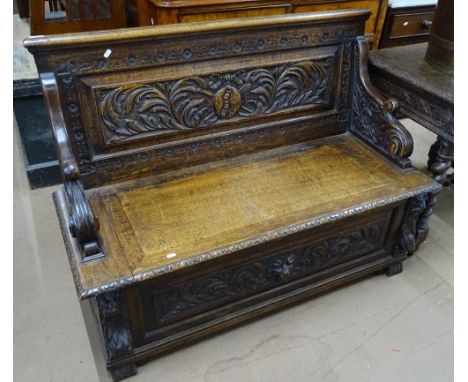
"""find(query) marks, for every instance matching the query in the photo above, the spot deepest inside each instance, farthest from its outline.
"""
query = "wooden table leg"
(440, 160)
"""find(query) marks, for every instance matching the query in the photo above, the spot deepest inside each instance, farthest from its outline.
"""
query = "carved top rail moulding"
(37, 43)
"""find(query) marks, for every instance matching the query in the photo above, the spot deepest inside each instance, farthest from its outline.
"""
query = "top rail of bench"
(37, 43)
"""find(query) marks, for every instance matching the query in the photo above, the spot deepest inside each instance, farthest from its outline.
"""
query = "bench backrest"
(145, 100)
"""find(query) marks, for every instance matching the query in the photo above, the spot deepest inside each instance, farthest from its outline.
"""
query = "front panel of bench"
(198, 296)
(152, 104)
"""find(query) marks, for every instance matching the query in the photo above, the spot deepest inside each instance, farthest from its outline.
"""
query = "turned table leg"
(440, 159)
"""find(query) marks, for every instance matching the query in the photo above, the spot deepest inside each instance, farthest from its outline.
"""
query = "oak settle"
(217, 171)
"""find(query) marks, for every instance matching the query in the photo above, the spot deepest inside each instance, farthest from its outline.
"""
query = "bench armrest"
(84, 224)
(70, 169)
(372, 117)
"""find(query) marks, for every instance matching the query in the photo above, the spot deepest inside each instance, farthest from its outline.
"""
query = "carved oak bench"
(216, 171)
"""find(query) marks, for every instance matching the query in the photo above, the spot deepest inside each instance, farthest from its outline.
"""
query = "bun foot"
(123, 372)
(394, 269)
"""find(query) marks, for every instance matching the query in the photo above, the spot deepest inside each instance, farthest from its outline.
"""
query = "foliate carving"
(372, 117)
(415, 227)
(217, 253)
(204, 101)
(83, 224)
(114, 324)
(266, 273)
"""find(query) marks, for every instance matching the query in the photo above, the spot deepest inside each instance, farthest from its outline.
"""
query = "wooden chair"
(214, 172)
(67, 16)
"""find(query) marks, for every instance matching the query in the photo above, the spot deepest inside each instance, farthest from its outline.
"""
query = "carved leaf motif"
(266, 273)
(189, 103)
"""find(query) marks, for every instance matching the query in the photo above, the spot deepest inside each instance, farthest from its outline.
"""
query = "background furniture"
(32, 119)
(217, 171)
(156, 12)
(67, 16)
(22, 7)
(407, 25)
(420, 77)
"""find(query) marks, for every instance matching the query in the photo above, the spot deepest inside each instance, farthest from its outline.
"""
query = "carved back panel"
(146, 100)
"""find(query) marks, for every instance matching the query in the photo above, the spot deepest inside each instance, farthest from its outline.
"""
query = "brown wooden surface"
(407, 62)
(154, 12)
(407, 25)
(23, 8)
(440, 52)
(77, 16)
(230, 168)
(425, 93)
(232, 203)
(91, 87)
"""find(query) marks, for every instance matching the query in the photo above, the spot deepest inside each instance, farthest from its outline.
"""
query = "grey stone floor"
(378, 329)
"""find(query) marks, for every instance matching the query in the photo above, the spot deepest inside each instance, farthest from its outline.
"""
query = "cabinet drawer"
(197, 15)
(411, 24)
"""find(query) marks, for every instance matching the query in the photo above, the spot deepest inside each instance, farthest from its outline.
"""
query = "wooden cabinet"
(156, 12)
(409, 25)
(69, 16)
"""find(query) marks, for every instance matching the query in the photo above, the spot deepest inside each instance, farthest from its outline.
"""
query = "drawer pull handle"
(427, 24)
(405, 23)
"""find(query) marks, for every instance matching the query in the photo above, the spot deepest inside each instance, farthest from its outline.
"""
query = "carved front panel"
(179, 300)
(203, 101)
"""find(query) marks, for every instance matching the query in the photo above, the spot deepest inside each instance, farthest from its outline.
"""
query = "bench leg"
(123, 372)
(394, 269)
(440, 159)
(116, 332)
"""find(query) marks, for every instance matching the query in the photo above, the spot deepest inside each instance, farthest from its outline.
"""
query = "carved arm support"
(372, 117)
(84, 224)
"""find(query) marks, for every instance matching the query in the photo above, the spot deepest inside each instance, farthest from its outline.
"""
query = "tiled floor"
(379, 329)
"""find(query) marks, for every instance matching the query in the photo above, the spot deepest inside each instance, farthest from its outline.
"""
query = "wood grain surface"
(204, 209)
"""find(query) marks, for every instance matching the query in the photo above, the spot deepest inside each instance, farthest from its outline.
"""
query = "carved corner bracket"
(372, 118)
(415, 226)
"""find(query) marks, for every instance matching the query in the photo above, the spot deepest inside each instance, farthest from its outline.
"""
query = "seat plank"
(211, 210)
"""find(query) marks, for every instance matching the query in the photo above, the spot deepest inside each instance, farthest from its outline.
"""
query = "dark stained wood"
(407, 25)
(158, 12)
(23, 8)
(440, 52)
(76, 16)
(425, 94)
(215, 172)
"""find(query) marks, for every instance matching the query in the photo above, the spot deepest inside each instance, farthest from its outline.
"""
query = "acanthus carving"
(415, 227)
(372, 117)
(113, 316)
(205, 101)
(268, 272)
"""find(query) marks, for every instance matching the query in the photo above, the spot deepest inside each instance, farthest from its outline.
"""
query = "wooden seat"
(218, 171)
(159, 222)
